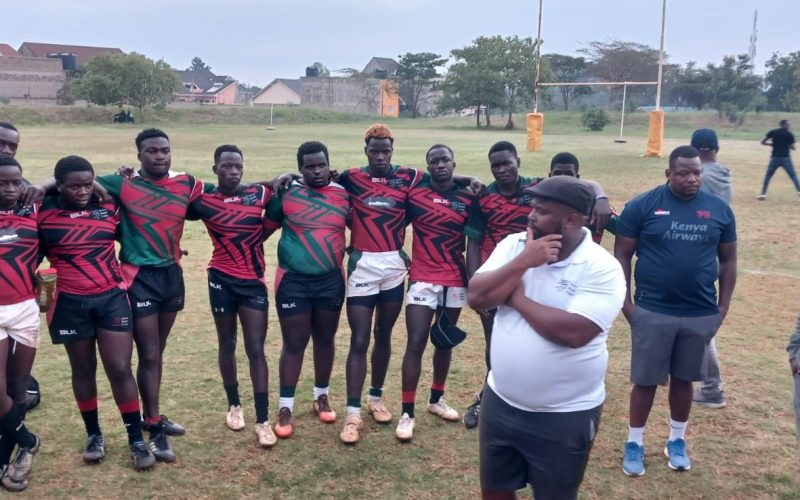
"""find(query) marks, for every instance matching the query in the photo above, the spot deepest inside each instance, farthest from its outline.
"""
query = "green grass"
(747, 450)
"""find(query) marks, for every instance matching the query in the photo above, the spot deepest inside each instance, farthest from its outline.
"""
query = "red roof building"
(7, 51)
(82, 53)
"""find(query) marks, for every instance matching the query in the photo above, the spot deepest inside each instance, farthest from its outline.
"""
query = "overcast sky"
(257, 41)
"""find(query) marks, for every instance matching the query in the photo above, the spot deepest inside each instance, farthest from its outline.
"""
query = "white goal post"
(602, 84)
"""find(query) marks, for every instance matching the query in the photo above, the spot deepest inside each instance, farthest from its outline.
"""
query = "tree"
(133, 79)
(492, 72)
(322, 70)
(198, 65)
(620, 61)
(734, 89)
(689, 85)
(516, 68)
(416, 74)
(101, 81)
(568, 69)
(783, 82)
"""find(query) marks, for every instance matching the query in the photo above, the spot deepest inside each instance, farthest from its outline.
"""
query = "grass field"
(747, 450)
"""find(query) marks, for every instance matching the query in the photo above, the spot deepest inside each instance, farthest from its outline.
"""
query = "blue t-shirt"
(677, 246)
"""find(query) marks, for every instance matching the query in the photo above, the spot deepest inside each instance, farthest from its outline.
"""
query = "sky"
(257, 41)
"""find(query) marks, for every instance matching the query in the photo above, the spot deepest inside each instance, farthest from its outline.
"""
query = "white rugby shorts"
(20, 322)
(428, 294)
(370, 273)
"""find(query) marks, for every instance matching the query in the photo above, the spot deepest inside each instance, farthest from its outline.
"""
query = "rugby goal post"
(624, 86)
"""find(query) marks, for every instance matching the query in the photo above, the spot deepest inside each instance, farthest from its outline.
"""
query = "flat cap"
(569, 191)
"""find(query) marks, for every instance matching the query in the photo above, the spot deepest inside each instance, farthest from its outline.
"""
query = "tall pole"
(622, 116)
(661, 54)
(538, 61)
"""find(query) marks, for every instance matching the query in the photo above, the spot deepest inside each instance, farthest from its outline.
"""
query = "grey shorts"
(549, 451)
(664, 345)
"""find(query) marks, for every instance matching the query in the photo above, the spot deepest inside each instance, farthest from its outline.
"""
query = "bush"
(594, 119)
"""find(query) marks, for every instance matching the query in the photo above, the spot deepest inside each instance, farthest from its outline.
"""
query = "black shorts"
(300, 293)
(157, 289)
(77, 317)
(549, 451)
(227, 293)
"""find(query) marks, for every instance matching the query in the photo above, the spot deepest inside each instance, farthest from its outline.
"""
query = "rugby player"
(233, 216)
(153, 205)
(77, 236)
(19, 320)
(309, 283)
(441, 213)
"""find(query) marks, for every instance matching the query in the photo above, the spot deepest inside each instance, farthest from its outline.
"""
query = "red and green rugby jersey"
(440, 221)
(312, 222)
(379, 207)
(80, 245)
(153, 213)
(504, 215)
(235, 225)
(19, 252)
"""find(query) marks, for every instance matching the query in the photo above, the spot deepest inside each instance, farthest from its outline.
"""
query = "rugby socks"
(286, 397)
(6, 448)
(89, 413)
(132, 419)
(677, 429)
(7, 441)
(261, 400)
(232, 391)
(437, 391)
(636, 435)
(408, 402)
(13, 425)
(155, 425)
(353, 406)
(320, 390)
(375, 394)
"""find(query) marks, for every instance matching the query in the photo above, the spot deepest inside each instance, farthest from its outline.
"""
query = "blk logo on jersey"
(215, 286)
(146, 303)
(661, 211)
(288, 305)
(67, 332)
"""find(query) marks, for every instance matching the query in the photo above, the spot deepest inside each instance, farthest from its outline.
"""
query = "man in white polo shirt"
(557, 294)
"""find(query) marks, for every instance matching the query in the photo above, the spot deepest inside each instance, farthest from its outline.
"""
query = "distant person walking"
(781, 141)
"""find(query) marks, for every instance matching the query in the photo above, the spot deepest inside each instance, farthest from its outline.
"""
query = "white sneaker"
(405, 428)
(444, 410)
(235, 418)
(761, 197)
(266, 438)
